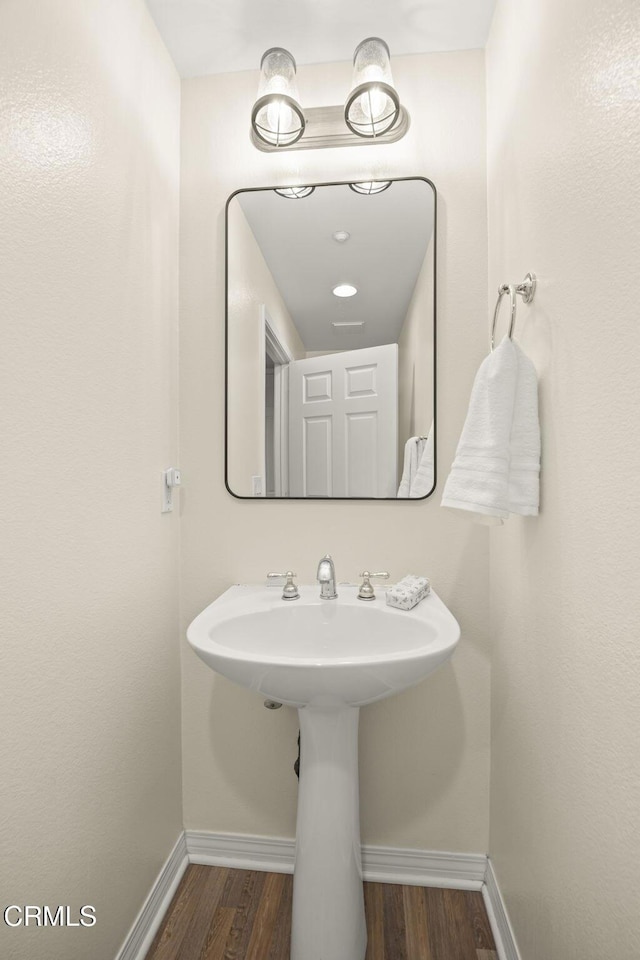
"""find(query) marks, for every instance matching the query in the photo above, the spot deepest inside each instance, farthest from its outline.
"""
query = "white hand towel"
(422, 483)
(412, 452)
(497, 463)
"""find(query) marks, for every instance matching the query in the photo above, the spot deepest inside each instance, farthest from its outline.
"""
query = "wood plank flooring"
(223, 914)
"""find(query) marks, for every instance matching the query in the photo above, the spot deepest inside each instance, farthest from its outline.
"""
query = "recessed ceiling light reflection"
(345, 290)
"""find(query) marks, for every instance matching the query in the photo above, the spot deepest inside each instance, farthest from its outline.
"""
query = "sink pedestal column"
(328, 901)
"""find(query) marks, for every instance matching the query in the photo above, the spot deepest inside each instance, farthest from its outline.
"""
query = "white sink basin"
(316, 651)
(328, 658)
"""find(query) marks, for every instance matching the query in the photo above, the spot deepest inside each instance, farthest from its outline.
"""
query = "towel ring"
(526, 290)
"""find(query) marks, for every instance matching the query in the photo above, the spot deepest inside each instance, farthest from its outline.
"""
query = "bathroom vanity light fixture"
(345, 290)
(369, 187)
(294, 193)
(373, 105)
(277, 117)
(372, 112)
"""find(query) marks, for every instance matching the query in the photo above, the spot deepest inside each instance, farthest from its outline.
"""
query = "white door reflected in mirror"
(343, 423)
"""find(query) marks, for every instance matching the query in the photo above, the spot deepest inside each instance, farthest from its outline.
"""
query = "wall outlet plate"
(256, 486)
(170, 478)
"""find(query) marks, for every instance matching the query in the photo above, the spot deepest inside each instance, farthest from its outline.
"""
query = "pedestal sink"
(328, 658)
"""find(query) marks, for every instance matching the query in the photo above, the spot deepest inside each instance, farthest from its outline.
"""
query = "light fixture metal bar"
(325, 127)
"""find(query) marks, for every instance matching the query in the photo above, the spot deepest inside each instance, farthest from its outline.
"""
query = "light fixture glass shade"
(294, 193)
(277, 117)
(373, 106)
(369, 187)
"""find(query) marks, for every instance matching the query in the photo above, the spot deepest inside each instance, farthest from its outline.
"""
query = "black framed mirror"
(331, 341)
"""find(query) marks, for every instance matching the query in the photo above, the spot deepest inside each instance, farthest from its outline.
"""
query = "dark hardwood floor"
(223, 914)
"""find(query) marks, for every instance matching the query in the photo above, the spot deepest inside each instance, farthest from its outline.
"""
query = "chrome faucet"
(327, 579)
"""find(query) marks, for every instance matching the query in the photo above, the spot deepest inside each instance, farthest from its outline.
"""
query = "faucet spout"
(327, 579)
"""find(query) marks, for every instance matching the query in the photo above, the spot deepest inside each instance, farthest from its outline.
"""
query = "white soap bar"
(408, 592)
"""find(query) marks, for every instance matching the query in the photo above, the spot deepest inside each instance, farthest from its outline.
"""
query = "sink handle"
(366, 591)
(289, 591)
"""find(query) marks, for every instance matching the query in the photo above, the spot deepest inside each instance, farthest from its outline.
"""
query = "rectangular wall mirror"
(330, 341)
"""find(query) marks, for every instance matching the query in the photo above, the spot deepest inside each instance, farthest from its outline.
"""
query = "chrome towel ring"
(526, 290)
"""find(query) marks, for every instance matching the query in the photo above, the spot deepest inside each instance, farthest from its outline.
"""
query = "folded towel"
(422, 483)
(408, 592)
(412, 453)
(497, 463)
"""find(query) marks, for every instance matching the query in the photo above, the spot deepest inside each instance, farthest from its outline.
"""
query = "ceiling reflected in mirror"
(388, 238)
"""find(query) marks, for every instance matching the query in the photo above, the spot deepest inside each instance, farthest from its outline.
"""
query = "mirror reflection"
(330, 341)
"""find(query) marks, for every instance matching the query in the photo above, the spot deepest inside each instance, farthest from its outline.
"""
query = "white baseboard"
(423, 868)
(506, 946)
(146, 924)
(240, 851)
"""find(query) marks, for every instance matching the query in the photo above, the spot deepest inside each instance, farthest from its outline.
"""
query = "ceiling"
(221, 36)
(382, 258)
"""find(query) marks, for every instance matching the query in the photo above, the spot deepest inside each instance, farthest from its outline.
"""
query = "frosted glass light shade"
(294, 193)
(370, 187)
(373, 106)
(277, 117)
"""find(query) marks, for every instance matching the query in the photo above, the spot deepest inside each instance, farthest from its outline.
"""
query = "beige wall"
(424, 754)
(415, 353)
(89, 712)
(563, 146)
(251, 286)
